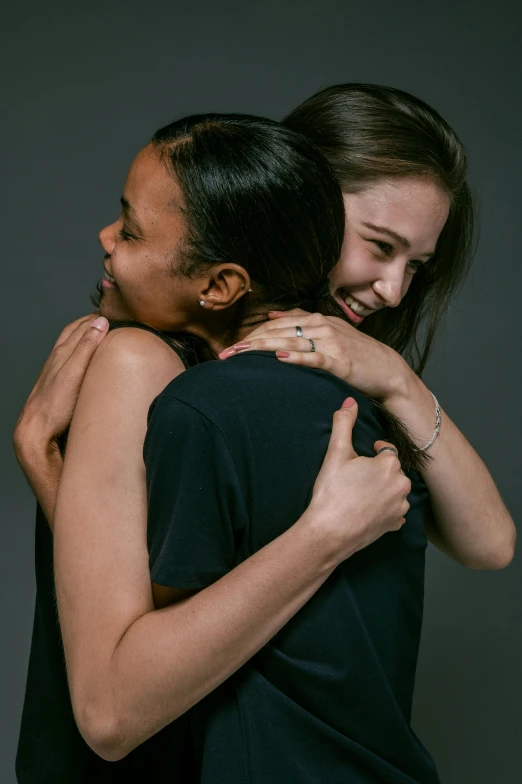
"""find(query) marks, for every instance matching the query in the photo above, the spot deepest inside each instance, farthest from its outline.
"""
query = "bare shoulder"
(132, 344)
(135, 354)
(129, 369)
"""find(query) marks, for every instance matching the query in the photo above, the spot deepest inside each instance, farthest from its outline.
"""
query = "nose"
(389, 288)
(107, 237)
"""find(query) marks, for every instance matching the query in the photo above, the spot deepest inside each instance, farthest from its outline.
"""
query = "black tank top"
(50, 747)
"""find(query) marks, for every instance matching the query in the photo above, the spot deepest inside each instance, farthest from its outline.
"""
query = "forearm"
(169, 659)
(472, 524)
(42, 465)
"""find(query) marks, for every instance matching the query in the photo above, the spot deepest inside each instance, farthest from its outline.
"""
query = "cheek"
(355, 267)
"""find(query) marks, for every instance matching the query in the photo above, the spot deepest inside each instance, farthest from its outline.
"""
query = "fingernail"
(282, 354)
(228, 352)
(240, 346)
(276, 311)
(100, 323)
(348, 403)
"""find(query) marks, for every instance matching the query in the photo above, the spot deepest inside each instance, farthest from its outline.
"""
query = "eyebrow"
(126, 205)
(129, 209)
(393, 234)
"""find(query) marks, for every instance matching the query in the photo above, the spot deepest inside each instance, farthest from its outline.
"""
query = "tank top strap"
(175, 343)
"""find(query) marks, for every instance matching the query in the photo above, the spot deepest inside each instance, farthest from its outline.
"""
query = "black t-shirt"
(50, 747)
(232, 453)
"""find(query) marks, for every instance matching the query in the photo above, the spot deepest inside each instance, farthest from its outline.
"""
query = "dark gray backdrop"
(87, 84)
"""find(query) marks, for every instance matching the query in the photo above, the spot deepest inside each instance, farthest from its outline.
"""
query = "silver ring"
(299, 332)
(390, 449)
(312, 345)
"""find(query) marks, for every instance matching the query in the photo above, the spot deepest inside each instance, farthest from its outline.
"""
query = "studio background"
(87, 85)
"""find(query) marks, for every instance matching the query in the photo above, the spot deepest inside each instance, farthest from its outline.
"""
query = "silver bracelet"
(437, 426)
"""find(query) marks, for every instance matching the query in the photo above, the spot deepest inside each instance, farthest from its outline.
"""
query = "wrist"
(328, 545)
(402, 381)
(32, 447)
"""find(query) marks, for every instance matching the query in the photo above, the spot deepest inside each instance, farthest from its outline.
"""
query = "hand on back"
(357, 499)
(362, 361)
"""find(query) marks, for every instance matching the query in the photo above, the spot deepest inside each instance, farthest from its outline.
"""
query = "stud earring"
(202, 303)
(250, 291)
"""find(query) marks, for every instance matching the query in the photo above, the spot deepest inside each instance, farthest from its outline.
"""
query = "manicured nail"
(241, 346)
(228, 352)
(282, 354)
(100, 323)
(348, 403)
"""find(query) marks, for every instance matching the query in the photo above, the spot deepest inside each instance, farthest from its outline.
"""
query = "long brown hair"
(369, 133)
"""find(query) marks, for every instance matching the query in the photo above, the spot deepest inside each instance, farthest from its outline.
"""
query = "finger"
(341, 444)
(71, 328)
(311, 359)
(277, 314)
(387, 454)
(74, 338)
(381, 444)
(275, 331)
(77, 363)
(284, 322)
(300, 345)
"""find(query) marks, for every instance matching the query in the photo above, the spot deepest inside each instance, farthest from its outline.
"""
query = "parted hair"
(257, 194)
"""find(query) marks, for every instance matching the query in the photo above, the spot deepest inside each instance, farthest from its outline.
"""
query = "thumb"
(87, 345)
(342, 431)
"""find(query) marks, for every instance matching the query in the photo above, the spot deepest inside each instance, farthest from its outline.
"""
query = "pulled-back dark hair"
(259, 195)
(369, 133)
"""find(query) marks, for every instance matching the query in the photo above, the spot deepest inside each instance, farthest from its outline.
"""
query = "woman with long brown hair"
(420, 207)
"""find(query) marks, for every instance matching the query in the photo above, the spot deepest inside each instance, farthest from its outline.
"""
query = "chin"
(114, 311)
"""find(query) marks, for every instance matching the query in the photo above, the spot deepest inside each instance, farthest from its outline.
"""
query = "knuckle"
(88, 339)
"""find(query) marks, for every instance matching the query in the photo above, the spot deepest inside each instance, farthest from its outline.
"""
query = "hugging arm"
(133, 669)
(470, 521)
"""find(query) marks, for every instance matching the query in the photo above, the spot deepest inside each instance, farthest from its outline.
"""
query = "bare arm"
(133, 669)
(470, 521)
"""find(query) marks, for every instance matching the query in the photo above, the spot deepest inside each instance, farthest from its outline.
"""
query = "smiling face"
(392, 227)
(143, 246)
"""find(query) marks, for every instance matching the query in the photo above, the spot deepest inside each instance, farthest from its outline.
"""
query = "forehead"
(151, 189)
(415, 208)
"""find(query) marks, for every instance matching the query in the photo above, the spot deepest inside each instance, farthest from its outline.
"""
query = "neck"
(220, 332)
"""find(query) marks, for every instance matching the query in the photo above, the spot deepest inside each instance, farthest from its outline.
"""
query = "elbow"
(501, 556)
(506, 555)
(103, 731)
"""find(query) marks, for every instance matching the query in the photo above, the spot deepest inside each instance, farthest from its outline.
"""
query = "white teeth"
(356, 306)
(108, 277)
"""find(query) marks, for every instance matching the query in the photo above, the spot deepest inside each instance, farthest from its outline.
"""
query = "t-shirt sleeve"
(194, 500)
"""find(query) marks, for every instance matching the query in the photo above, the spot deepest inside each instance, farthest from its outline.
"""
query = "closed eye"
(125, 235)
(384, 247)
(415, 265)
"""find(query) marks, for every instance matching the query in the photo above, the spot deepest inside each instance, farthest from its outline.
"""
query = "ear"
(223, 286)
